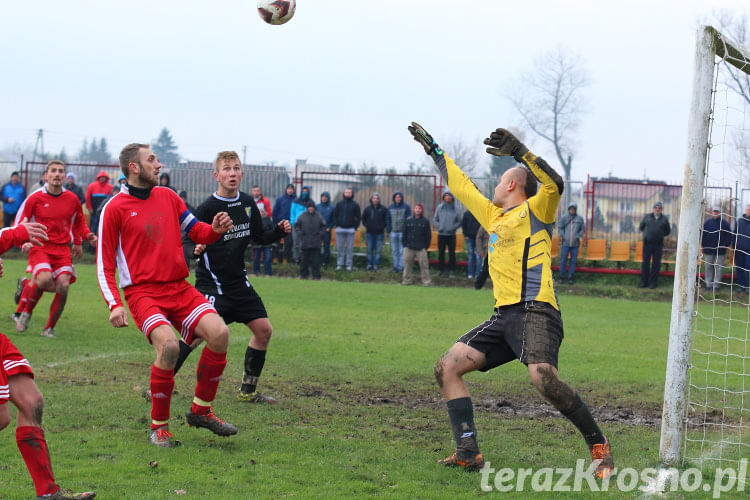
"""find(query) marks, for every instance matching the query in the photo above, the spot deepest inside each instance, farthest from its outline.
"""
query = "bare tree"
(737, 29)
(464, 153)
(550, 99)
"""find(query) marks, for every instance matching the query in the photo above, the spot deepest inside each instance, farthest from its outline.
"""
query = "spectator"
(263, 250)
(417, 236)
(398, 212)
(165, 181)
(257, 195)
(742, 250)
(325, 209)
(655, 227)
(96, 193)
(188, 245)
(70, 185)
(346, 217)
(483, 241)
(12, 194)
(571, 227)
(310, 228)
(715, 239)
(281, 211)
(374, 219)
(470, 226)
(298, 207)
(447, 220)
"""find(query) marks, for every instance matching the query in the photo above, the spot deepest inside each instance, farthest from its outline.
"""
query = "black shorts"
(530, 332)
(238, 306)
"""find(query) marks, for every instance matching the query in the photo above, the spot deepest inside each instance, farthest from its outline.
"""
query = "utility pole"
(244, 153)
(39, 143)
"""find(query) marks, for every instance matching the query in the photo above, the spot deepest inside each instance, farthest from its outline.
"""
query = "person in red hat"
(96, 193)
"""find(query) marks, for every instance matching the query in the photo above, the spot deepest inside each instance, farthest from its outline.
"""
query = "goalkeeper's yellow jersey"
(520, 237)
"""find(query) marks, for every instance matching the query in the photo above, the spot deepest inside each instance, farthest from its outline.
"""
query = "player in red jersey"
(17, 386)
(51, 264)
(139, 235)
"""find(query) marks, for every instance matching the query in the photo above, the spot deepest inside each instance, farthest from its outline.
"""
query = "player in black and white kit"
(221, 274)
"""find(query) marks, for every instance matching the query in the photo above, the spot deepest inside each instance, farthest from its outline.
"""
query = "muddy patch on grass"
(511, 407)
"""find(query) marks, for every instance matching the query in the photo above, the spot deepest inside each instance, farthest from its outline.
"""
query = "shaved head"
(525, 179)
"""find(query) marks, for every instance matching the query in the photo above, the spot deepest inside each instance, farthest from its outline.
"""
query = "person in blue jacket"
(298, 207)
(281, 211)
(325, 209)
(742, 250)
(715, 240)
(12, 194)
(398, 212)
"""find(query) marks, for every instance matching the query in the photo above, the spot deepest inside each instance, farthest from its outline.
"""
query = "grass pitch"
(359, 413)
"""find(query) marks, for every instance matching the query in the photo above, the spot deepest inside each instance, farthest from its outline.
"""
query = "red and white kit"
(12, 362)
(63, 216)
(141, 238)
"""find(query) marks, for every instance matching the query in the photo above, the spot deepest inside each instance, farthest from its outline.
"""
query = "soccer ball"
(276, 11)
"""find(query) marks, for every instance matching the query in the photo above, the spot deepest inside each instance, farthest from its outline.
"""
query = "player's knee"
(62, 288)
(440, 370)
(170, 352)
(264, 335)
(37, 412)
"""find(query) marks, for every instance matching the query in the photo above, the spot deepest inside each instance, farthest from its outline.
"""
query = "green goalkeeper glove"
(503, 143)
(428, 143)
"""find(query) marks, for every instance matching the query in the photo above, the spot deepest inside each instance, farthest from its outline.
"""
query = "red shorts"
(53, 258)
(175, 303)
(12, 363)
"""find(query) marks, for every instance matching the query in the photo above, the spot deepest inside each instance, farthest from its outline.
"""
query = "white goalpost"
(706, 413)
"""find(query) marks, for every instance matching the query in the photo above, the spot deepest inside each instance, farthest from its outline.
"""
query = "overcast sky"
(341, 81)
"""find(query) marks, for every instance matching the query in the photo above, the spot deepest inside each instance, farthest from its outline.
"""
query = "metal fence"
(615, 208)
(416, 188)
(195, 178)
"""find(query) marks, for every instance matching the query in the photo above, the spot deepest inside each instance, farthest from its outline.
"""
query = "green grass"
(359, 411)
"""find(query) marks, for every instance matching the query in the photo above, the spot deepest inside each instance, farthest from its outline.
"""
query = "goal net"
(706, 417)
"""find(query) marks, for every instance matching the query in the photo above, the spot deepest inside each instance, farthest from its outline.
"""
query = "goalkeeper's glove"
(503, 143)
(428, 143)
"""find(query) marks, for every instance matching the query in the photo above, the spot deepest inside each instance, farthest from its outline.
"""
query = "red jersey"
(12, 237)
(140, 236)
(61, 213)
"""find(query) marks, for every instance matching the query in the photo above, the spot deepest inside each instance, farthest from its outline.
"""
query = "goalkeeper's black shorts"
(529, 331)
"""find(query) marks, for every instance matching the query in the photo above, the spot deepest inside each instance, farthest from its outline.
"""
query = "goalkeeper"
(526, 324)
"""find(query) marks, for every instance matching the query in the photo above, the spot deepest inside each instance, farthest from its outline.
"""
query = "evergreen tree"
(84, 152)
(104, 155)
(63, 156)
(165, 148)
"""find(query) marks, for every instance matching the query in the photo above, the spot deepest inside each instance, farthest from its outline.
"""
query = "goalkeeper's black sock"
(581, 417)
(254, 361)
(461, 413)
(185, 351)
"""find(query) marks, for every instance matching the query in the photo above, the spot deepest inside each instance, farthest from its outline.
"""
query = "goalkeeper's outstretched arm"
(457, 181)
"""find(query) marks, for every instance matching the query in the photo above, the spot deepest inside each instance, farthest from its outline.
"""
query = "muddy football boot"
(211, 422)
(161, 437)
(255, 397)
(67, 495)
(607, 464)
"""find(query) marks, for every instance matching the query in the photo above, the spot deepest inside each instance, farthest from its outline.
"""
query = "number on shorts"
(211, 299)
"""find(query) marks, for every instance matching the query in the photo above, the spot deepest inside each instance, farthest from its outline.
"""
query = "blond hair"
(54, 162)
(225, 155)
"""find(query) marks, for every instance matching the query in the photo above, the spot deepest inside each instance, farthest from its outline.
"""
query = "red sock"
(210, 368)
(162, 383)
(21, 301)
(56, 309)
(33, 448)
(31, 293)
